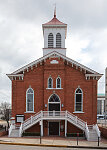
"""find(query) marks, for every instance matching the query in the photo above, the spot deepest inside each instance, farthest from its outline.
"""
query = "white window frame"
(56, 83)
(54, 102)
(51, 39)
(48, 83)
(81, 101)
(57, 40)
(18, 117)
(26, 101)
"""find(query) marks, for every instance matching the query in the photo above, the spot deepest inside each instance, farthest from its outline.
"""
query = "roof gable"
(88, 72)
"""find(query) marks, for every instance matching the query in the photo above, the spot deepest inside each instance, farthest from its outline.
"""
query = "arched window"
(58, 82)
(54, 98)
(78, 100)
(50, 82)
(58, 40)
(29, 100)
(50, 40)
(54, 104)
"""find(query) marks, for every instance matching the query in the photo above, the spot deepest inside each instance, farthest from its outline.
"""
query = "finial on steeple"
(55, 11)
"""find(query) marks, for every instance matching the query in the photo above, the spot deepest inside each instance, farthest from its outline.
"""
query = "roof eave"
(60, 55)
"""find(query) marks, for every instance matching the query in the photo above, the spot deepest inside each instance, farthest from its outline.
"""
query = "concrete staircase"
(93, 136)
(91, 131)
(14, 133)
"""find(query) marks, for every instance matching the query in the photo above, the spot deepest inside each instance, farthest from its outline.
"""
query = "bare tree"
(6, 111)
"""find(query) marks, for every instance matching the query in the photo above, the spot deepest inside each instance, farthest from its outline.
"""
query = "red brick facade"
(71, 79)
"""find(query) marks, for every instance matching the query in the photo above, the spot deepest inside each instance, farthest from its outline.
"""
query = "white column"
(41, 127)
(65, 127)
(31, 119)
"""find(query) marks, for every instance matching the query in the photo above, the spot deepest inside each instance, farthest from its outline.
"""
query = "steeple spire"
(55, 11)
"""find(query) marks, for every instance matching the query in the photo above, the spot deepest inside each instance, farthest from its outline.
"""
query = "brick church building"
(54, 94)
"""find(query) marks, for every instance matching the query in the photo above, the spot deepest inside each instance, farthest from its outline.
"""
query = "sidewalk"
(52, 141)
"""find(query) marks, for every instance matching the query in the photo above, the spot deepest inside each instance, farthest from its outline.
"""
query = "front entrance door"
(53, 128)
(54, 103)
(53, 106)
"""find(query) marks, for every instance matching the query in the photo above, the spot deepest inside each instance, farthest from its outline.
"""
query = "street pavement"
(52, 141)
(18, 147)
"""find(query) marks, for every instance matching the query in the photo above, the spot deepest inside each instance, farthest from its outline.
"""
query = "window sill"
(78, 112)
(29, 112)
(54, 88)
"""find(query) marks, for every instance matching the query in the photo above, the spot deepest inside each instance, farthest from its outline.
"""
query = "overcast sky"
(21, 36)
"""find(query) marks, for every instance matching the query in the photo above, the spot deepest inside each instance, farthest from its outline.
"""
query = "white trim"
(56, 82)
(65, 127)
(15, 75)
(52, 42)
(54, 61)
(92, 75)
(53, 25)
(26, 101)
(81, 112)
(59, 40)
(54, 88)
(20, 115)
(54, 102)
(50, 97)
(81, 101)
(60, 55)
(95, 76)
(29, 112)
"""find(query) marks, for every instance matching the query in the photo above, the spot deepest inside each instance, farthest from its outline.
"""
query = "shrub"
(75, 134)
(31, 134)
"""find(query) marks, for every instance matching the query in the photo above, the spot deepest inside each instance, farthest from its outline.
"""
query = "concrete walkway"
(52, 141)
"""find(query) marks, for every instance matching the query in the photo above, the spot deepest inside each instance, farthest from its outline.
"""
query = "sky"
(21, 35)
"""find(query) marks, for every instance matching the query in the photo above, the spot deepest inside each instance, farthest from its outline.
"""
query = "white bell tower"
(54, 33)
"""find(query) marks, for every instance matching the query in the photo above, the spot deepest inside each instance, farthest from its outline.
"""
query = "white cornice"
(56, 25)
(14, 76)
(82, 67)
(95, 76)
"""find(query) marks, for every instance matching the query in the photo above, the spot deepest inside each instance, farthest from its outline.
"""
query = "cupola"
(54, 33)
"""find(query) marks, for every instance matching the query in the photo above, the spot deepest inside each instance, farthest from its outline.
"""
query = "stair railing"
(76, 120)
(12, 126)
(95, 127)
(20, 130)
(31, 120)
(52, 115)
(87, 132)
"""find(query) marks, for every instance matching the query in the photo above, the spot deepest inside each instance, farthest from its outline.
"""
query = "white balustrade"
(20, 130)
(44, 115)
(11, 128)
(87, 132)
(95, 127)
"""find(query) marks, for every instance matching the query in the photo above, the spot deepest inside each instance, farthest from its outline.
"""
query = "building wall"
(106, 91)
(54, 31)
(71, 79)
(70, 128)
(101, 105)
(49, 50)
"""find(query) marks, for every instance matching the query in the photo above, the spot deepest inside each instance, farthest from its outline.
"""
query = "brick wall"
(103, 132)
(71, 79)
(3, 133)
